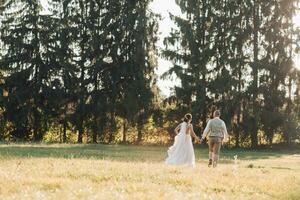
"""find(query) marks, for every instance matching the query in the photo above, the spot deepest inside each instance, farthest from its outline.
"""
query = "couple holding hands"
(182, 151)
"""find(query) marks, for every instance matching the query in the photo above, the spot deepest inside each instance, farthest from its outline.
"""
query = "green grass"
(53, 171)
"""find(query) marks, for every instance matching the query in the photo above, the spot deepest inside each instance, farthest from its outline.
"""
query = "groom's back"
(216, 126)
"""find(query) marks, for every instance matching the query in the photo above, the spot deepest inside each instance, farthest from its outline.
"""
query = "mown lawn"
(66, 171)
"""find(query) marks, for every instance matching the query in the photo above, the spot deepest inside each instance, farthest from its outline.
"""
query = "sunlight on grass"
(133, 172)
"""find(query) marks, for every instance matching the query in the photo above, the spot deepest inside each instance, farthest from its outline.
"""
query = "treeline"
(87, 68)
(238, 56)
(79, 66)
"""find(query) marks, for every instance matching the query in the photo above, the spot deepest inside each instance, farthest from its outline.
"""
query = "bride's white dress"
(182, 151)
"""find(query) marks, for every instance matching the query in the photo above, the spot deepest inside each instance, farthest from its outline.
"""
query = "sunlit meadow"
(43, 171)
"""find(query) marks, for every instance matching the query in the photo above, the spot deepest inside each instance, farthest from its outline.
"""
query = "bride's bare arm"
(192, 132)
(177, 129)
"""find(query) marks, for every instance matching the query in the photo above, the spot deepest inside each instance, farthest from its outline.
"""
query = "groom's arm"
(206, 130)
(226, 136)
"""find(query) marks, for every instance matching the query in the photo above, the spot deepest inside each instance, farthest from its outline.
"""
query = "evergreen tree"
(26, 69)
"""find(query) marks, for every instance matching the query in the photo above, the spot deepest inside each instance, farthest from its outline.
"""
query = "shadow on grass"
(85, 151)
(243, 154)
(126, 152)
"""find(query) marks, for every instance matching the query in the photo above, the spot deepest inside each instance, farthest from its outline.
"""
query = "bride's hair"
(187, 117)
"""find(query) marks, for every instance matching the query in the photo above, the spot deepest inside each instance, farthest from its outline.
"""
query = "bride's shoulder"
(183, 124)
(189, 125)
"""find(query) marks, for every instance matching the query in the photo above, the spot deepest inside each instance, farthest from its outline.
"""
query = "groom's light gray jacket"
(215, 128)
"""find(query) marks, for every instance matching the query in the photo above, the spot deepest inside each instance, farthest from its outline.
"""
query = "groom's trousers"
(214, 144)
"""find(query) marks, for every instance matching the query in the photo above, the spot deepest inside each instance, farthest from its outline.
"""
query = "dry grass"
(132, 172)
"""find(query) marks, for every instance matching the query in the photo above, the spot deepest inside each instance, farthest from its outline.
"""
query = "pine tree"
(26, 69)
(190, 49)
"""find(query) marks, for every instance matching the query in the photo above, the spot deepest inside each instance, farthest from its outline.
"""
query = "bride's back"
(183, 128)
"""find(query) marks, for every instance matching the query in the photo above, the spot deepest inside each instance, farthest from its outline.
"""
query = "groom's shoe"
(210, 163)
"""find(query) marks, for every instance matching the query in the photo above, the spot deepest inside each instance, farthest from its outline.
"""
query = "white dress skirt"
(182, 151)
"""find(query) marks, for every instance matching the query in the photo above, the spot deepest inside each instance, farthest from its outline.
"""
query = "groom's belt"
(215, 136)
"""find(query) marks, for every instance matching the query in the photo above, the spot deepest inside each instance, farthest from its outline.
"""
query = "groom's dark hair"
(217, 113)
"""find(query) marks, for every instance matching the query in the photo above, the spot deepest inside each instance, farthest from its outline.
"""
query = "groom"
(217, 131)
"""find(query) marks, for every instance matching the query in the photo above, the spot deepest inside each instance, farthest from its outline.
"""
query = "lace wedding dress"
(182, 151)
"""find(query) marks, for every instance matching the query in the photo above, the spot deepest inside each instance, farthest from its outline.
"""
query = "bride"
(182, 151)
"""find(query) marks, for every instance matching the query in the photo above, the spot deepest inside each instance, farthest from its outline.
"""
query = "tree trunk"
(110, 139)
(140, 133)
(64, 131)
(255, 105)
(288, 110)
(80, 121)
(112, 128)
(125, 128)
(80, 125)
(95, 125)
(203, 94)
(80, 134)
(237, 129)
(95, 131)
(83, 59)
(270, 138)
(37, 132)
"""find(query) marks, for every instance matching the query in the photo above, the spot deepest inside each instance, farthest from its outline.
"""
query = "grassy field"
(64, 171)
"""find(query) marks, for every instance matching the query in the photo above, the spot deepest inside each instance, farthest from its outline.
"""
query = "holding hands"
(198, 140)
(201, 140)
(225, 140)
